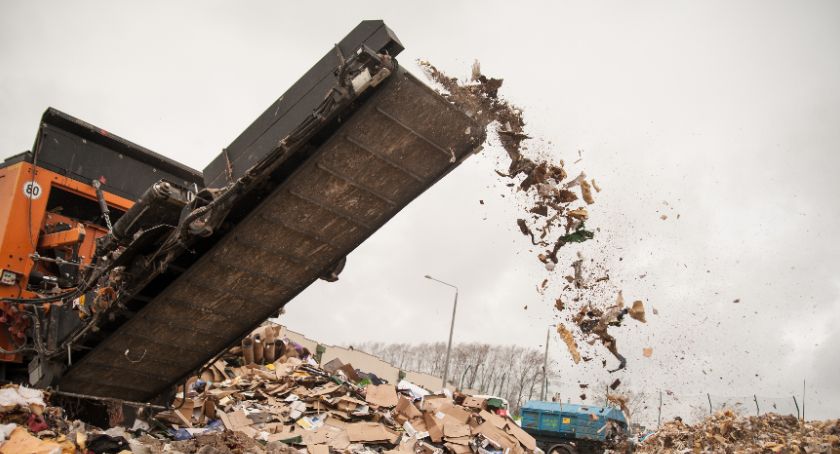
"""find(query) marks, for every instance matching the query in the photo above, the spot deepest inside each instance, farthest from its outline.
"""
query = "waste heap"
(335, 408)
(286, 406)
(730, 433)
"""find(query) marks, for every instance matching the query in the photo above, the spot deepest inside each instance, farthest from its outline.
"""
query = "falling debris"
(570, 342)
(637, 312)
(541, 182)
(586, 192)
(547, 218)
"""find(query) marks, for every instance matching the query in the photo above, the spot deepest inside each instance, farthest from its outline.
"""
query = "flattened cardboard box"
(370, 432)
(381, 395)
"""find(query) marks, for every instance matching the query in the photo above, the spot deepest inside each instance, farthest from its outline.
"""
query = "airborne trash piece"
(577, 181)
(586, 192)
(637, 312)
(579, 213)
(619, 300)
(570, 342)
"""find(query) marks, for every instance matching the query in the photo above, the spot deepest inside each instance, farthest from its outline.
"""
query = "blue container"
(559, 421)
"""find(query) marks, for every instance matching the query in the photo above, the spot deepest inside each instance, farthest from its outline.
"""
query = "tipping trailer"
(124, 272)
(572, 428)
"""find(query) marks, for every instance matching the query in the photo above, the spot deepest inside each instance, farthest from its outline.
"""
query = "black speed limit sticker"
(32, 190)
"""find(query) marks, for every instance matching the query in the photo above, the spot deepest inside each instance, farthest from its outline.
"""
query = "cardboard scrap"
(318, 449)
(496, 434)
(523, 437)
(458, 448)
(381, 395)
(433, 402)
(407, 409)
(495, 420)
(349, 372)
(455, 412)
(455, 430)
(347, 403)
(235, 421)
(474, 402)
(434, 426)
(370, 432)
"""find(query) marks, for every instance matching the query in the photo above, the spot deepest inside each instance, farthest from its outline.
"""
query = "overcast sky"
(727, 111)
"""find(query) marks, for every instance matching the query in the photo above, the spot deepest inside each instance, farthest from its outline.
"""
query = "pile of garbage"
(244, 403)
(730, 433)
(29, 425)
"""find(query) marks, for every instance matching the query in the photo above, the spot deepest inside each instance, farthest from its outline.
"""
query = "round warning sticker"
(32, 190)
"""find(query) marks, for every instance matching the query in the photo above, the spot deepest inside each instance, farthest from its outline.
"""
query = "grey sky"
(729, 111)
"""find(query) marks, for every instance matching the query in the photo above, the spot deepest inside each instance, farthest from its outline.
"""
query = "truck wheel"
(562, 449)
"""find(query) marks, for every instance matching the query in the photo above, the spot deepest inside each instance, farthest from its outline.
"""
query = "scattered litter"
(293, 407)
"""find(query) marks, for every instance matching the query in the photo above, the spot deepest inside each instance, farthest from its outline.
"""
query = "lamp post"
(451, 329)
(544, 389)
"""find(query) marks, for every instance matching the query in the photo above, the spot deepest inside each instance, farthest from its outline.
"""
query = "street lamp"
(451, 329)
(544, 388)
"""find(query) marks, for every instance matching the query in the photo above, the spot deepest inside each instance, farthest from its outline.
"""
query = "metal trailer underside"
(401, 140)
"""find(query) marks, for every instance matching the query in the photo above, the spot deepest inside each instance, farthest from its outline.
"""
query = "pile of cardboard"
(727, 432)
(314, 410)
(242, 403)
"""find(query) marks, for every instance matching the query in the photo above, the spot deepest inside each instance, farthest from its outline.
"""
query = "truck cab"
(566, 428)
